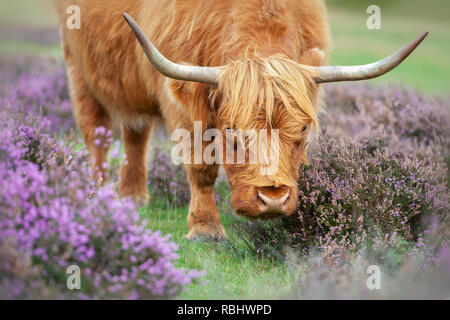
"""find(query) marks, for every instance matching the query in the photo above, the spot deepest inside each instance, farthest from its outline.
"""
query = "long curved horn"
(168, 68)
(368, 71)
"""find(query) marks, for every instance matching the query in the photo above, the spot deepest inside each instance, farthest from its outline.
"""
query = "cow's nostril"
(261, 199)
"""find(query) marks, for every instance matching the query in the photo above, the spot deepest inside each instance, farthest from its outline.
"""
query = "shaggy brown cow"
(240, 64)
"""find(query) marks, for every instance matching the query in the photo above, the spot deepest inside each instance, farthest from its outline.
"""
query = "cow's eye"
(235, 146)
(304, 128)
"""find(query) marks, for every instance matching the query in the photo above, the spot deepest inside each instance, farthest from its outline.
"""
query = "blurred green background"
(29, 26)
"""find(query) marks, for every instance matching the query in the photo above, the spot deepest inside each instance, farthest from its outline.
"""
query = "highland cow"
(254, 64)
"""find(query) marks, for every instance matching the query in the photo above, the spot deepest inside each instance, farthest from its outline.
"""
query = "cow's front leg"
(203, 218)
(133, 174)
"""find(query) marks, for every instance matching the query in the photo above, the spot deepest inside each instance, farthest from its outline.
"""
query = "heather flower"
(377, 174)
(355, 195)
(409, 120)
(52, 215)
(38, 86)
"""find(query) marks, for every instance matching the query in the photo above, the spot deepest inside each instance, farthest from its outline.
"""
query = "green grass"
(231, 271)
(425, 69)
(17, 46)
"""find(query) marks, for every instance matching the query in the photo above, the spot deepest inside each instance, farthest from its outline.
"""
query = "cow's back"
(103, 53)
(202, 32)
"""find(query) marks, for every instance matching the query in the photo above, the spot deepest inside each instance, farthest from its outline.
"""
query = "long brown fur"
(261, 43)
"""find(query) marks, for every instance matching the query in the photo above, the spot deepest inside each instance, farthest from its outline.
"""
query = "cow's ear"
(192, 97)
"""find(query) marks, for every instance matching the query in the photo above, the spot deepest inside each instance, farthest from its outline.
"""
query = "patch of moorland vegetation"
(53, 215)
(375, 190)
(39, 86)
(357, 195)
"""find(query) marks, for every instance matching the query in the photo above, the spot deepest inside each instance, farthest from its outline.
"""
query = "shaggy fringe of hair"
(251, 87)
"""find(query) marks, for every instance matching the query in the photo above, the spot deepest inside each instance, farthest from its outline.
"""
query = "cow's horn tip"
(126, 16)
(424, 34)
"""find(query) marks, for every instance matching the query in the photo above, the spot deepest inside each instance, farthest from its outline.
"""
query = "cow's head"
(267, 102)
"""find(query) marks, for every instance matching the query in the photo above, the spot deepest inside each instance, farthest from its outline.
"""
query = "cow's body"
(112, 81)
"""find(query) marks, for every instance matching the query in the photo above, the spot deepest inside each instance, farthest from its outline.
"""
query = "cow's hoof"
(206, 233)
